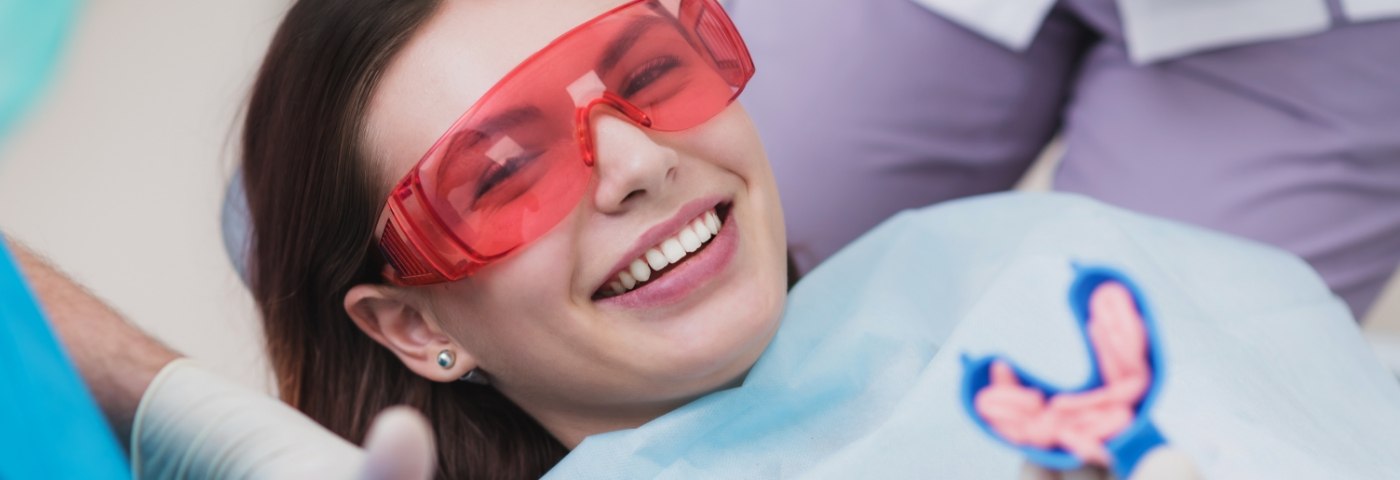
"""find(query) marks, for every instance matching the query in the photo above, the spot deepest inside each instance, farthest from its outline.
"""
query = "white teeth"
(689, 239)
(701, 231)
(656, 259)
(673, 250)
(639, 270)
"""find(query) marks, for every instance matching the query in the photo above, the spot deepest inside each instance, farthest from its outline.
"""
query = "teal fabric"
(50, 427)
(31, 34)
(1268, 376)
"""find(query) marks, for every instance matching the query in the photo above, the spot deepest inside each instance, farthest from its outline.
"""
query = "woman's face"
(544, 322)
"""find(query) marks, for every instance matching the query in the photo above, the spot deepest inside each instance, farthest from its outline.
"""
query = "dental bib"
(1268, 375)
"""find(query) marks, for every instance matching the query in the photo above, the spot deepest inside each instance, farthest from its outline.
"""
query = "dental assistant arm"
(181, 421)
(116, 360)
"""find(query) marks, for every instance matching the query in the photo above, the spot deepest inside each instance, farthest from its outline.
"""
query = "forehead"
(452, 60)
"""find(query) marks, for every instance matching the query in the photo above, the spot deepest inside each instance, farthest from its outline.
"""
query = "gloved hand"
(399, 446)
(193, 424)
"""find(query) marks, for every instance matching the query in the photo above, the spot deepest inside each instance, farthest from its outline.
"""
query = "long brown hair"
(313, 196)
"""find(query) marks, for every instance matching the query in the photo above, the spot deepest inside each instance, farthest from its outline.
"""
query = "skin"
(116, 360)
(578, 366)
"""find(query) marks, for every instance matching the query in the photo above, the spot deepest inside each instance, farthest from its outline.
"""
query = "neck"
(570, 427)
(571, 424)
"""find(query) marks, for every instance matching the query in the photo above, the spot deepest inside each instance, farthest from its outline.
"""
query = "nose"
(631, 166)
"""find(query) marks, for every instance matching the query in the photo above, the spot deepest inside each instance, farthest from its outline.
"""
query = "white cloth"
(1157, 30)
(192, 423)
(1013, 24)
(1362, 10)
(1265, 373)
(1163, 29)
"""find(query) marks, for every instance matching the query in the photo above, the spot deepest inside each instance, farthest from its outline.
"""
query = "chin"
(723, 343)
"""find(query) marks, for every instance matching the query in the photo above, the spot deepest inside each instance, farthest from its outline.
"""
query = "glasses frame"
(421, 249)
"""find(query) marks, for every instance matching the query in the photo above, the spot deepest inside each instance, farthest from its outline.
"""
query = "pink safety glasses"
(519, 160)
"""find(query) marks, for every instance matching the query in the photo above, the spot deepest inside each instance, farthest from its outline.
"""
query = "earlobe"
(394, 321)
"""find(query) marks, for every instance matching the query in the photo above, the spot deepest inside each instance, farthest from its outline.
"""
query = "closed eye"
(502, 172)
(647, 74)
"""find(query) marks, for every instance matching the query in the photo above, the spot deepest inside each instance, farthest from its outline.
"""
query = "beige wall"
(1385, 314)
(118, 175)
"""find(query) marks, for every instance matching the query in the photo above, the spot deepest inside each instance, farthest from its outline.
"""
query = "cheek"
(514, 302)
(756, 305)
(731, 139)
(737, 145)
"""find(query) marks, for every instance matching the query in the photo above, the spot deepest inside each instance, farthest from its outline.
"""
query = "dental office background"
(118, 175)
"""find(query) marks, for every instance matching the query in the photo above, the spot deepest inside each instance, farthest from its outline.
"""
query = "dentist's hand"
(399, 446)
(193, 423)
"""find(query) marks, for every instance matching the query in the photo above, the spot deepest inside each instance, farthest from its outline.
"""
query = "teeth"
(640, 270)
(689, 239)
(673, 250)
(656, 259)
(701, 231)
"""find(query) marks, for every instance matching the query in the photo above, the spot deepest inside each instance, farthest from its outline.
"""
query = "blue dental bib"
(1269, 376)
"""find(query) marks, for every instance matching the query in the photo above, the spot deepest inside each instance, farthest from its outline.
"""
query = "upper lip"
(661, 232)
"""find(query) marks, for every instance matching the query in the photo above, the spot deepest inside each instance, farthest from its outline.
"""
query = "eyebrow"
(620, 45)
(508, 119)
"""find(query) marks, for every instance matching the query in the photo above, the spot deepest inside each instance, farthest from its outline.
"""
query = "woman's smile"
(674, 258)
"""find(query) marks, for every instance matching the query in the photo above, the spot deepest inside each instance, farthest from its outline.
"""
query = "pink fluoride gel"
(1078, 422)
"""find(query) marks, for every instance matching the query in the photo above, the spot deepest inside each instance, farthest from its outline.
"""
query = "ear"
(391, 318)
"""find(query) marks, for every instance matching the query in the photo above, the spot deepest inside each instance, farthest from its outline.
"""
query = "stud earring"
(446, 359)
(476, 376)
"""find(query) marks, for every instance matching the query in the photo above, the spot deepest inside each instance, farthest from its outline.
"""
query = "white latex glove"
(193, 424)
(1160, 464)
(399, 445)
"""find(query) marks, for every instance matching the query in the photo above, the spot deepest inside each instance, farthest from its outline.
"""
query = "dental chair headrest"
(237, 226)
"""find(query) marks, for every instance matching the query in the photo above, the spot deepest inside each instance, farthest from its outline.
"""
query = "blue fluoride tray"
(1129, 446)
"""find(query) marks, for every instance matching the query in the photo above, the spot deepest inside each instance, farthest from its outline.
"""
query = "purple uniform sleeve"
(871, 107)
(1292, 142)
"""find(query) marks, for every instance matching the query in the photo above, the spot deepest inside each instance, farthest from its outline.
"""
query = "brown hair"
(313, 196)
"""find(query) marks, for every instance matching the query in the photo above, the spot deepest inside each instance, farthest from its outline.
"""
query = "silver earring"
(476, 376)
(446, 359)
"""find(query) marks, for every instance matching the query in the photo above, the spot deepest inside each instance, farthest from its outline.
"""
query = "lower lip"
(683, 280)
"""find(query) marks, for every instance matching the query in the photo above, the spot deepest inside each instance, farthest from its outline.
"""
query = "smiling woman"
(597, 237)
(550, 227)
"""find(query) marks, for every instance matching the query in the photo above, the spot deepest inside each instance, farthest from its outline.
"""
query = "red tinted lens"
(512, 167)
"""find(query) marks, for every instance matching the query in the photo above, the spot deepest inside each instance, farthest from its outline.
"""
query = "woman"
(350, 97)
(597, 241)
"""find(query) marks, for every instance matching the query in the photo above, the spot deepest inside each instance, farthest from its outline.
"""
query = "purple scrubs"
(869, 107)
